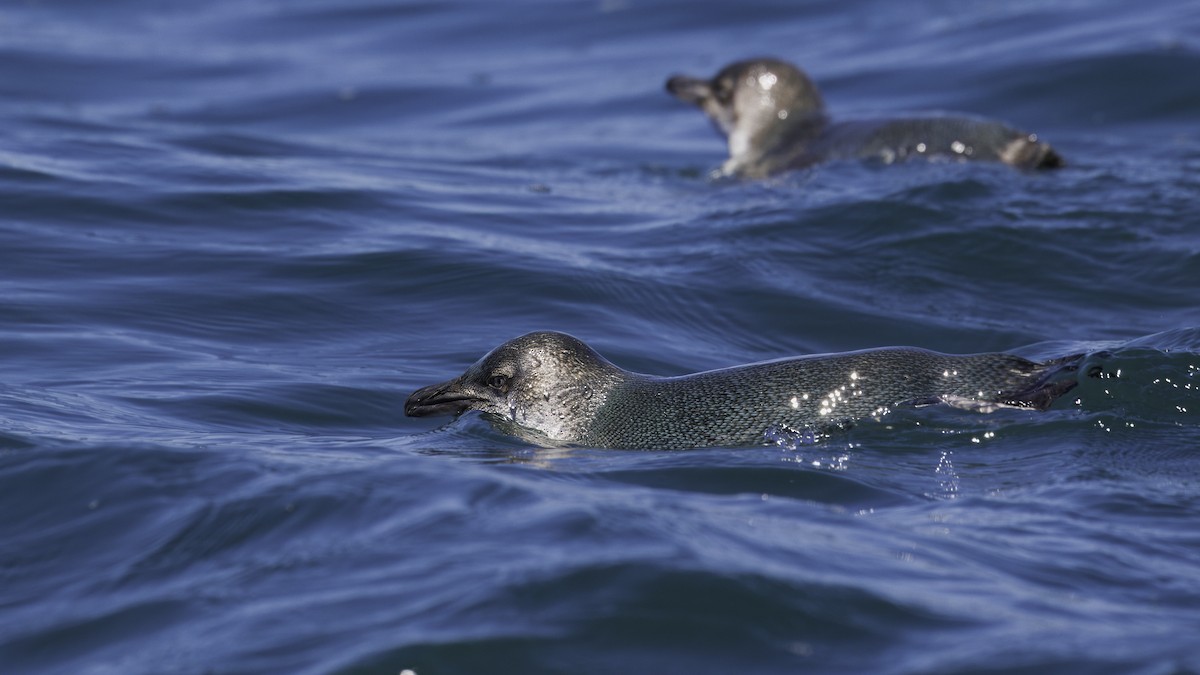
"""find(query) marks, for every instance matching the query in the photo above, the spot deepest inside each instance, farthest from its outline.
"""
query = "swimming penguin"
(552, 389)
(774, 120)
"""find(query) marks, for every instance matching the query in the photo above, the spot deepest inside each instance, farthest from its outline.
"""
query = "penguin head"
(752, 101)
(546, 382)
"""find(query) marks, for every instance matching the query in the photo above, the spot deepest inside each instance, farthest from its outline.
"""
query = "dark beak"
(689, 89)
(446, 398)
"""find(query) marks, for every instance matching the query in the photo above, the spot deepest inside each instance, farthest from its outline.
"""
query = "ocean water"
(234, 236)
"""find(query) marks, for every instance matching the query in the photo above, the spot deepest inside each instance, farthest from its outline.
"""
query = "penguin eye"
(723, 90)
(498, 382)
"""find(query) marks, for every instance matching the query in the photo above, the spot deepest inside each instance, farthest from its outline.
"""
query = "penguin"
(554, 390)
(774, 119)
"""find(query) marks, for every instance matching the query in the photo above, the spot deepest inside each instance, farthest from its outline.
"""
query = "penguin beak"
(447, 398)
(689, 89)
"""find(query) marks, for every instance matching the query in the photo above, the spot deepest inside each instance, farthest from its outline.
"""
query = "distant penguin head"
(547, 382)
(749, 101)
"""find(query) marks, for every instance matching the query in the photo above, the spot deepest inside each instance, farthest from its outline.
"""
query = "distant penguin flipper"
(1027, 152)
(1051, 160)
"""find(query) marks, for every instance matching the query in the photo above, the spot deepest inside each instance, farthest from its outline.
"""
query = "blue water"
(235, 236)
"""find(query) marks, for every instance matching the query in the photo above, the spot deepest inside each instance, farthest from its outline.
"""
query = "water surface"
(234, 237)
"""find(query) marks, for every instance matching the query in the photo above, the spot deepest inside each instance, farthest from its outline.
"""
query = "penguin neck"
(756, 146)
(564, 412)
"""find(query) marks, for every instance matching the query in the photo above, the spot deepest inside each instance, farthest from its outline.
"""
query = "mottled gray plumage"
(774, 120)
(553, 389)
